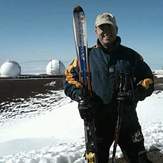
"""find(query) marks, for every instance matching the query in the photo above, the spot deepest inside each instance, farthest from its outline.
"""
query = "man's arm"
(144, 80)
(72, 86)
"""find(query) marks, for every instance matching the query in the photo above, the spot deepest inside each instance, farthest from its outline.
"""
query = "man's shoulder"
(131, 53)
(92, 47)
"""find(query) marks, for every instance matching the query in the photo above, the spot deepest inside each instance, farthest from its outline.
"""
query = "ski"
(80, 37)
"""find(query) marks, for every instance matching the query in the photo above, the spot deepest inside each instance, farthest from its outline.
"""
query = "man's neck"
(108, 47)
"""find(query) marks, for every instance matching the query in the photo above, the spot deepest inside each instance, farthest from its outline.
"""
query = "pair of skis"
(80, 34)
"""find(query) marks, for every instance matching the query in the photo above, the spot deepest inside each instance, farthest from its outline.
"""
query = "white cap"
(106, 18)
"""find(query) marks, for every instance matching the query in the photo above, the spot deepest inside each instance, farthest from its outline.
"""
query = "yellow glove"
(146, 83)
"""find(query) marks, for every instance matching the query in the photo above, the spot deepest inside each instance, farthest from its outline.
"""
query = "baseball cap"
(105, 18)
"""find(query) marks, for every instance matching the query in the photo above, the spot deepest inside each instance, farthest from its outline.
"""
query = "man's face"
(106, 33)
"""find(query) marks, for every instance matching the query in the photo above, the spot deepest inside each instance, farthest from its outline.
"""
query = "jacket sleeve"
(72, 85)
(144, 80)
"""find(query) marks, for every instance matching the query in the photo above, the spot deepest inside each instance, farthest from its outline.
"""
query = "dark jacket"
(103, 71)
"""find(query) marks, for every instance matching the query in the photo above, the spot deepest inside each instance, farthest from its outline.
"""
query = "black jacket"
(103, 64)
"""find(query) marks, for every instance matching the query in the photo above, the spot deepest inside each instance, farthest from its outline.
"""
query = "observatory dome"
(10, 69)
(55, 67)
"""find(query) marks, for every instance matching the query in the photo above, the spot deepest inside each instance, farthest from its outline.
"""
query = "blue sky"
(39, 30)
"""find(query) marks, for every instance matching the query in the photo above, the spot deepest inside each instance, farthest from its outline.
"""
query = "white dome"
(55, 67)
(10, 69)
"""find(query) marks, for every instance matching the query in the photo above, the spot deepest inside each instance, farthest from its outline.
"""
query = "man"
(108, 59)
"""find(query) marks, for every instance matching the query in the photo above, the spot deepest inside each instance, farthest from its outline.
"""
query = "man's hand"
(86, 112)
(144, 88)
(88, 107)
(87, 104)
(80, 93)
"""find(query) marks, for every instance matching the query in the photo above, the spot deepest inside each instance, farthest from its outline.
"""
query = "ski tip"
(78, 9)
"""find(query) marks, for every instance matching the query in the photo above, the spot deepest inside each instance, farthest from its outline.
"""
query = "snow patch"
(57, 135)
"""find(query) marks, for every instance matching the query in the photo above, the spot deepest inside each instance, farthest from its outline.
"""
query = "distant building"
(10, 69)
(55, 67)
(14, 85)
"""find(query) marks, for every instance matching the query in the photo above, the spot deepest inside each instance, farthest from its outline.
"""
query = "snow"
(150, 115)
(52, 131)
(54, 123)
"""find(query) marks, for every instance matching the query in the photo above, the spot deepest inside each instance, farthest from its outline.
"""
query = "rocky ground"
(158, 83)
(154, 155)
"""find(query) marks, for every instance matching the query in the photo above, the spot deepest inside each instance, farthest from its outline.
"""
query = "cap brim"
(104, 22)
